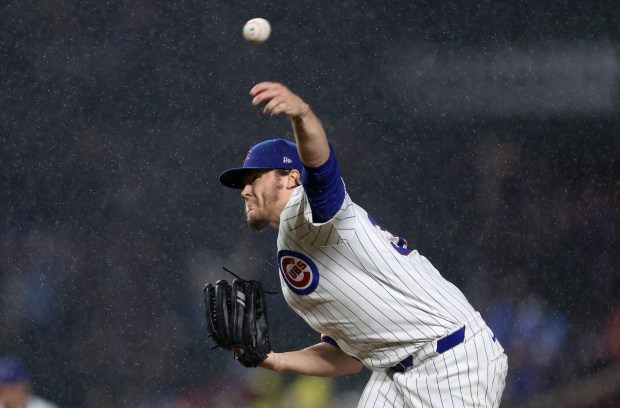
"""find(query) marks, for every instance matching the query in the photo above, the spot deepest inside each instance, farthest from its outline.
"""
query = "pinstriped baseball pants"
(472, 374)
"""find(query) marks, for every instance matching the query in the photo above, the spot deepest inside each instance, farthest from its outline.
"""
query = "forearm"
(320, 360)
(309, 132)
(310, 137)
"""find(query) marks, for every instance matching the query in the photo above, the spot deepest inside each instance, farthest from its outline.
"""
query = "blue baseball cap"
(13, 371)
(267, 155)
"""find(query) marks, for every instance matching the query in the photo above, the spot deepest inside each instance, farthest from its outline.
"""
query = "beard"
(256, 223)
(260, 219)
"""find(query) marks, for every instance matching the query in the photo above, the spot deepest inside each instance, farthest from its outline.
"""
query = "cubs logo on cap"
(267, 155)
(299, 272)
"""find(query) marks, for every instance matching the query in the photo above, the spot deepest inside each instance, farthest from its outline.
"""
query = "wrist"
(304, 112)
(272, 362)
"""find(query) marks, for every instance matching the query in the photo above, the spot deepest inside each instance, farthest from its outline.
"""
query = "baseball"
(256, 30)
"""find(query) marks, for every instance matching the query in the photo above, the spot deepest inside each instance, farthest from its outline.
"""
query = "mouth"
(248, 208)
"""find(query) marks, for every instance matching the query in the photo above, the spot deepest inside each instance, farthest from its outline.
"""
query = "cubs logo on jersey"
(299, 272)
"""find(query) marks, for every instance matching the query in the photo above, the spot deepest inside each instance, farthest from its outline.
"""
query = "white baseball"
(256, 30)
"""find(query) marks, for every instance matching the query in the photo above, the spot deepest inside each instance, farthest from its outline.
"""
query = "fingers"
(263, 86)
(278, 99)
(267, 91)
(276, 107)
(238, 351)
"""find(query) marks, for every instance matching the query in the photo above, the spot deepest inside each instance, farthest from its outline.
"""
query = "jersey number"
(399, 243)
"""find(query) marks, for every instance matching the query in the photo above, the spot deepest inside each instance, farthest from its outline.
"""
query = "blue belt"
(444, 344)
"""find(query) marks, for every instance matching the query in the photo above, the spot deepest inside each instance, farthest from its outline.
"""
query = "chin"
(257, 224)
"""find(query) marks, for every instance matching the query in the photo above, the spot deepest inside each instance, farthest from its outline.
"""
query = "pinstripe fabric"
(472, 374)
(381, 303)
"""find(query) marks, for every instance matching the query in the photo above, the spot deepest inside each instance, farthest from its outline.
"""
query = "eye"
(252, 178)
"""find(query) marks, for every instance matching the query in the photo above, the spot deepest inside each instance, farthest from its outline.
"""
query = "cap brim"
(233, 178)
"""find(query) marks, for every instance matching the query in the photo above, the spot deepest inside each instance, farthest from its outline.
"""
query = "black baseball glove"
(237, 319)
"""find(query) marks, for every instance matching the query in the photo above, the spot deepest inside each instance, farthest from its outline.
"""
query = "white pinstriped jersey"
(350, 280)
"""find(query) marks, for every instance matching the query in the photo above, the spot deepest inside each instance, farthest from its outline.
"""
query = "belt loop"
(451, 340)
(440, 346)
(403, 365)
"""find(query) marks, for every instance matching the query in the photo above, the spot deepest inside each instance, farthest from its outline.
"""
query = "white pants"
(472, 374)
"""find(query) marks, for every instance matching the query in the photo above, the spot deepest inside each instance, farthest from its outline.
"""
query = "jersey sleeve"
(324, 188)
(320, 213)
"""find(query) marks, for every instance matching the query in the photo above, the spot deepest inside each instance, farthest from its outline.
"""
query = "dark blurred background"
(486, 133)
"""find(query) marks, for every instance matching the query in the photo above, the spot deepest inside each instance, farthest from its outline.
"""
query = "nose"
(247, 191)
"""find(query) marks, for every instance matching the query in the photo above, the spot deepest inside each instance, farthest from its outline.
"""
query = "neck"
(285, 196)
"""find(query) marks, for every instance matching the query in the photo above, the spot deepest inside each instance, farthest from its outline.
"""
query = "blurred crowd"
(119, 116)
(110, 313)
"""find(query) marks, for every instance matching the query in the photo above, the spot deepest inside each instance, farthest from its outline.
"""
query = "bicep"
(324, 188)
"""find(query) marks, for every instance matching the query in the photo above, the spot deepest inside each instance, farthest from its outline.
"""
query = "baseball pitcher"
(375, 302)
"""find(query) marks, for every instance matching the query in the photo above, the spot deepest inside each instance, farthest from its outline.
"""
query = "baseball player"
(16, 386)
(375, 302)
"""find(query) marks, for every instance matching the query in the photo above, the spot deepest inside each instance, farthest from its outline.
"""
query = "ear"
(293, 179)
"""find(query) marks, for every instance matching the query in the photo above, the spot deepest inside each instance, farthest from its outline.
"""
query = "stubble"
(260, 219)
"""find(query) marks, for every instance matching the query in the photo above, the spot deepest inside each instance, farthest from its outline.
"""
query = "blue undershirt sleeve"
(324, 188)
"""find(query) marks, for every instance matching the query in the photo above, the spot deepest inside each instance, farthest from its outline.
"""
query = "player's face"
(262, 194)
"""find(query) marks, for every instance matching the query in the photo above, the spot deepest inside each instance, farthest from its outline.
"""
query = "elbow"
(354, 367)
(357, 368)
